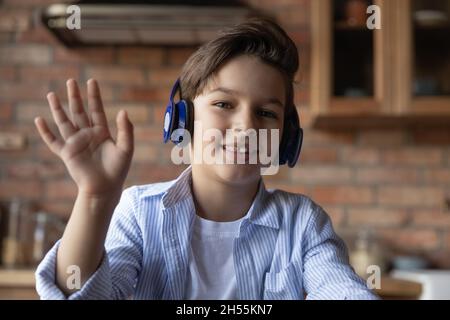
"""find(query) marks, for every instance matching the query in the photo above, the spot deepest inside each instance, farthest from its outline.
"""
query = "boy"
(215, 232)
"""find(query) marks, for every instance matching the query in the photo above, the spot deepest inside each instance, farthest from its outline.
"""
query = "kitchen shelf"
(381, 78)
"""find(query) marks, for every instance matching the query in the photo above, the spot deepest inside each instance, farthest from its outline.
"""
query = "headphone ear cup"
(189, 118)
(291, 141)
(169, 122)
(183, 122)
(295, 147)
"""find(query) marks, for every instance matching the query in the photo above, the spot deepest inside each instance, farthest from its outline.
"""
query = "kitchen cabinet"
(396, 75)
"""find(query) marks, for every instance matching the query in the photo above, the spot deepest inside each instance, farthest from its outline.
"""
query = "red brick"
(35, 170)
(447, 240)
(286, 187)
(23, 91)
(47, 73)
(313, 137)
(342, 195)
(28, 54)
(6, 37)
(158, 112)
(120, 75)
(411, 196)
(412, 156)
(360, 155)
(145, 173)
(14, 20)
(387, 175)
(60, 189)
(38, 34)
(144, 94)
(322, 174)
(382, 138)
(281, 177)
(144, 153)
(148, 134)
(318, 155)
(432, 218)
(6, 111)
(26, 112)
(165, 151)
(141, 56)
(21, 188)
(8, 73)
(437, 176)
(26, 129)
(42, 152)
(163, 77)
(103, 55)
(138, 113)
(410, 239)
(336, 214)
(377, 217)
(179, 56)
(16, 155)
(107, 91)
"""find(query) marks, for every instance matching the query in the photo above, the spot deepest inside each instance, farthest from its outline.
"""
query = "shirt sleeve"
(327, 273)
(116, 276)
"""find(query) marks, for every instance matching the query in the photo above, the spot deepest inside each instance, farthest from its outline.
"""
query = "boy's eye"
(268, 114)
(222, 105)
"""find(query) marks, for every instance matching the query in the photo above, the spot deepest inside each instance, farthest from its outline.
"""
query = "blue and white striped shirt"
(286, 248)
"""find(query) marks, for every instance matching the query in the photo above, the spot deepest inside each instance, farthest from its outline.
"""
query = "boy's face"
(245, 93)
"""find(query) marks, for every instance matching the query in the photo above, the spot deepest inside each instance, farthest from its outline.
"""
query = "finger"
(79, 116)
(125, 136)
(96, 109)
(53, 143)
(65, 126)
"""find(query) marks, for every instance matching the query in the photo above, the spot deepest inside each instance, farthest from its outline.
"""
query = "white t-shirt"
(211, 273)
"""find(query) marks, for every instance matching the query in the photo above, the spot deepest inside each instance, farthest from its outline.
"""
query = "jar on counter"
(367, 252)
(18, 234)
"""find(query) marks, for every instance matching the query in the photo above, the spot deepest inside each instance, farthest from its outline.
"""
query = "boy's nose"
(244, 120)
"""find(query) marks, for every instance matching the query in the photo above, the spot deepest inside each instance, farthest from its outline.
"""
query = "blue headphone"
(180, 115)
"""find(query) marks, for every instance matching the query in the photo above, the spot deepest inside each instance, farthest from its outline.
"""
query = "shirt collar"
(179, 190)
(263, 210)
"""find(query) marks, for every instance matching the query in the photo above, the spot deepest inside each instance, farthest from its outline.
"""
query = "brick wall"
(392, 181)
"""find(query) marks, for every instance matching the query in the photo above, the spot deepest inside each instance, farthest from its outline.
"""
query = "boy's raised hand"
(97, 163)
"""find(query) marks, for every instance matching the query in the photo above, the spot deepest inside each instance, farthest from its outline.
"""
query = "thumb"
(125, 137)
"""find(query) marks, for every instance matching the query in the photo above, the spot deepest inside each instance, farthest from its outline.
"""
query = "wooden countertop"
(399, 289)
(14, 279)
(17, 278)
(17, 284)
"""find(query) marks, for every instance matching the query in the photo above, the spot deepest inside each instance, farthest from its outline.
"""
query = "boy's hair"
(259, 37)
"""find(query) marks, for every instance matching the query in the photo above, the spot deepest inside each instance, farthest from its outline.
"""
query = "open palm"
(97, 163)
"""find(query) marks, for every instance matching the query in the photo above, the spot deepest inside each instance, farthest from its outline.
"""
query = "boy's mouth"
(244, 150)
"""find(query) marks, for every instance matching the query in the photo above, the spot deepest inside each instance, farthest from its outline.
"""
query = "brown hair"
(258, 37)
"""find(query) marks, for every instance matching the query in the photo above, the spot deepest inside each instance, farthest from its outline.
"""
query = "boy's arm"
(327, 273)
(98, 165)
(119, 265)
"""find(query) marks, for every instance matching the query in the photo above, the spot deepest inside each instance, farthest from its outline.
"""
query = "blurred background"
(374, 105)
